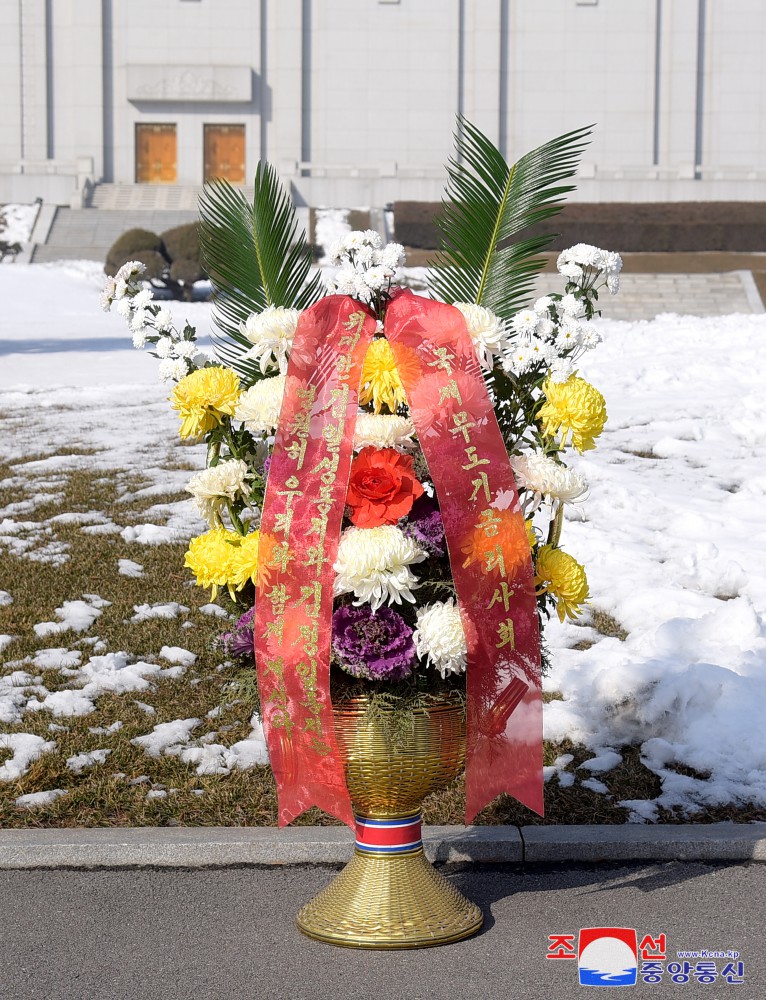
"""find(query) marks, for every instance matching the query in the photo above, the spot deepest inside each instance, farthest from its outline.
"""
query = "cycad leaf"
(487, 204)
(253, 258)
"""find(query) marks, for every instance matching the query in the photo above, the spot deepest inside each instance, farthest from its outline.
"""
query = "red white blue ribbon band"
(388, 836)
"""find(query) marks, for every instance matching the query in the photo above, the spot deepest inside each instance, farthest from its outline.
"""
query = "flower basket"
(389, 895)
(385, 486)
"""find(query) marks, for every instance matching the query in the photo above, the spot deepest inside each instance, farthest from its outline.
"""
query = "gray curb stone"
(200, 847)
(693, 842)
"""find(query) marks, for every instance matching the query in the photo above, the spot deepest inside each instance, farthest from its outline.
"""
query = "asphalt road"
(227, 934)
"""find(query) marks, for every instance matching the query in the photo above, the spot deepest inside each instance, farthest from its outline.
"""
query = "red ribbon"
(484, 527)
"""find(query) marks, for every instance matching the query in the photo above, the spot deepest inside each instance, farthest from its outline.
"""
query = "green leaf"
(487, 204)
(254, 258)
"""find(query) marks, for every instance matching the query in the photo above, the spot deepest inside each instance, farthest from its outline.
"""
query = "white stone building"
(355, 100)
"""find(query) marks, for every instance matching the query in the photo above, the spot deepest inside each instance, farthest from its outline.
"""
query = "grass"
(114, 793)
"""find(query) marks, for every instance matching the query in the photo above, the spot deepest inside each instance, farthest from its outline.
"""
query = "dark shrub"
(182, 242)
(172, 260)
(130, 246)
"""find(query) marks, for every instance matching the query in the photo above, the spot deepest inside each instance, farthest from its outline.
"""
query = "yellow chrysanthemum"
(211, 558)
(380, 379)
(245, 561)
(573, 406)
(203, 397)
(563, 577)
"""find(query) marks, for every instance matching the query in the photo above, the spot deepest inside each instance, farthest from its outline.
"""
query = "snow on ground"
(672, 534)
(16, 222)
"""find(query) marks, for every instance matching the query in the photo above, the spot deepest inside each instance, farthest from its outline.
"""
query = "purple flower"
(240, 641)
(424, 525)
(376, 645)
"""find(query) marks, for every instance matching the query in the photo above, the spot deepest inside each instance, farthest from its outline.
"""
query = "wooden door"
(156, 154)
(225, 152)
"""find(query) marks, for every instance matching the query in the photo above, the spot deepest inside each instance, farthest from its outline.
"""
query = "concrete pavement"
(228, 934)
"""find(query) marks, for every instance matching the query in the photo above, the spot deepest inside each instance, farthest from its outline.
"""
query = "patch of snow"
(129, 568)
(115, 727)
(56, 658)
(177, 654)
(77, 616)
(149, 709)
(34, 800)
(5, 641)
(26, 749)
(80, 761)
(594, 785)
(213, 609)
(152, 534)
(605, 761)
(16, 222)
(6, 599)
(166, 737)
(156, 793)
(143, 612)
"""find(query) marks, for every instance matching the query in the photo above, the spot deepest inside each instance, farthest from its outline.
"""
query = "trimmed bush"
(173, 260)
(130, 246)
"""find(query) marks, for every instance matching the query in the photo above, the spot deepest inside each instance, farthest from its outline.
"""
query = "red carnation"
(382, 487)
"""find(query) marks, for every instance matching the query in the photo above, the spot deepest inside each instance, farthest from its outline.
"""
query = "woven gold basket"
(389, 895)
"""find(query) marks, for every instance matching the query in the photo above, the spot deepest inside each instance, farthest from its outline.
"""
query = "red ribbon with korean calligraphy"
(484, 527)
(299, 534)
(488, 547)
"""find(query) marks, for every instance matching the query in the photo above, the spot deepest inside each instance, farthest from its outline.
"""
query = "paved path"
(227, 934)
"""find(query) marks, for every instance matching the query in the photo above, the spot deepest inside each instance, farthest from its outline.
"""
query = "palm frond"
(254, 259)
(487, 204)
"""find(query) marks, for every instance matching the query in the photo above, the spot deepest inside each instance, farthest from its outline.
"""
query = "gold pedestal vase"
(389, 895)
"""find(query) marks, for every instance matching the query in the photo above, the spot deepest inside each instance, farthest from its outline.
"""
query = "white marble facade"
(355, 100)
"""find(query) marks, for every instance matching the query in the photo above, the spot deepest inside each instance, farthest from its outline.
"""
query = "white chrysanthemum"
(590, 337)
(440, 638)
(139, 338)
(543, 477)
(542, 351)
(561, 369)
(544, 328)
(585, 254)
(383, 430)
(542, 305)
(571, 271)
(258, 407)
(172, 370)
(164, 347)
(108, 294)
(610, 262)
(613, 283)
(364, 256)
(374, 565)
(272, 332)
(139, 319)
(373, 237)
(185, 349)
(487, 331)
(391, 256)
(569, 335)
(570, 305)
(163, 321)
(520, 359)
(121, 288)
(142, 299)
(212, 487)
(345, 281)
(525, 321)
(124, 307)
(375, 277)
(130, 270)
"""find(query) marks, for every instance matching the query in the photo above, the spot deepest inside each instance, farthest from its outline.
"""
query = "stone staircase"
(87, 233)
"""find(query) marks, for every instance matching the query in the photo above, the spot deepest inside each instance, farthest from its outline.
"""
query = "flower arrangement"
(397, 627)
